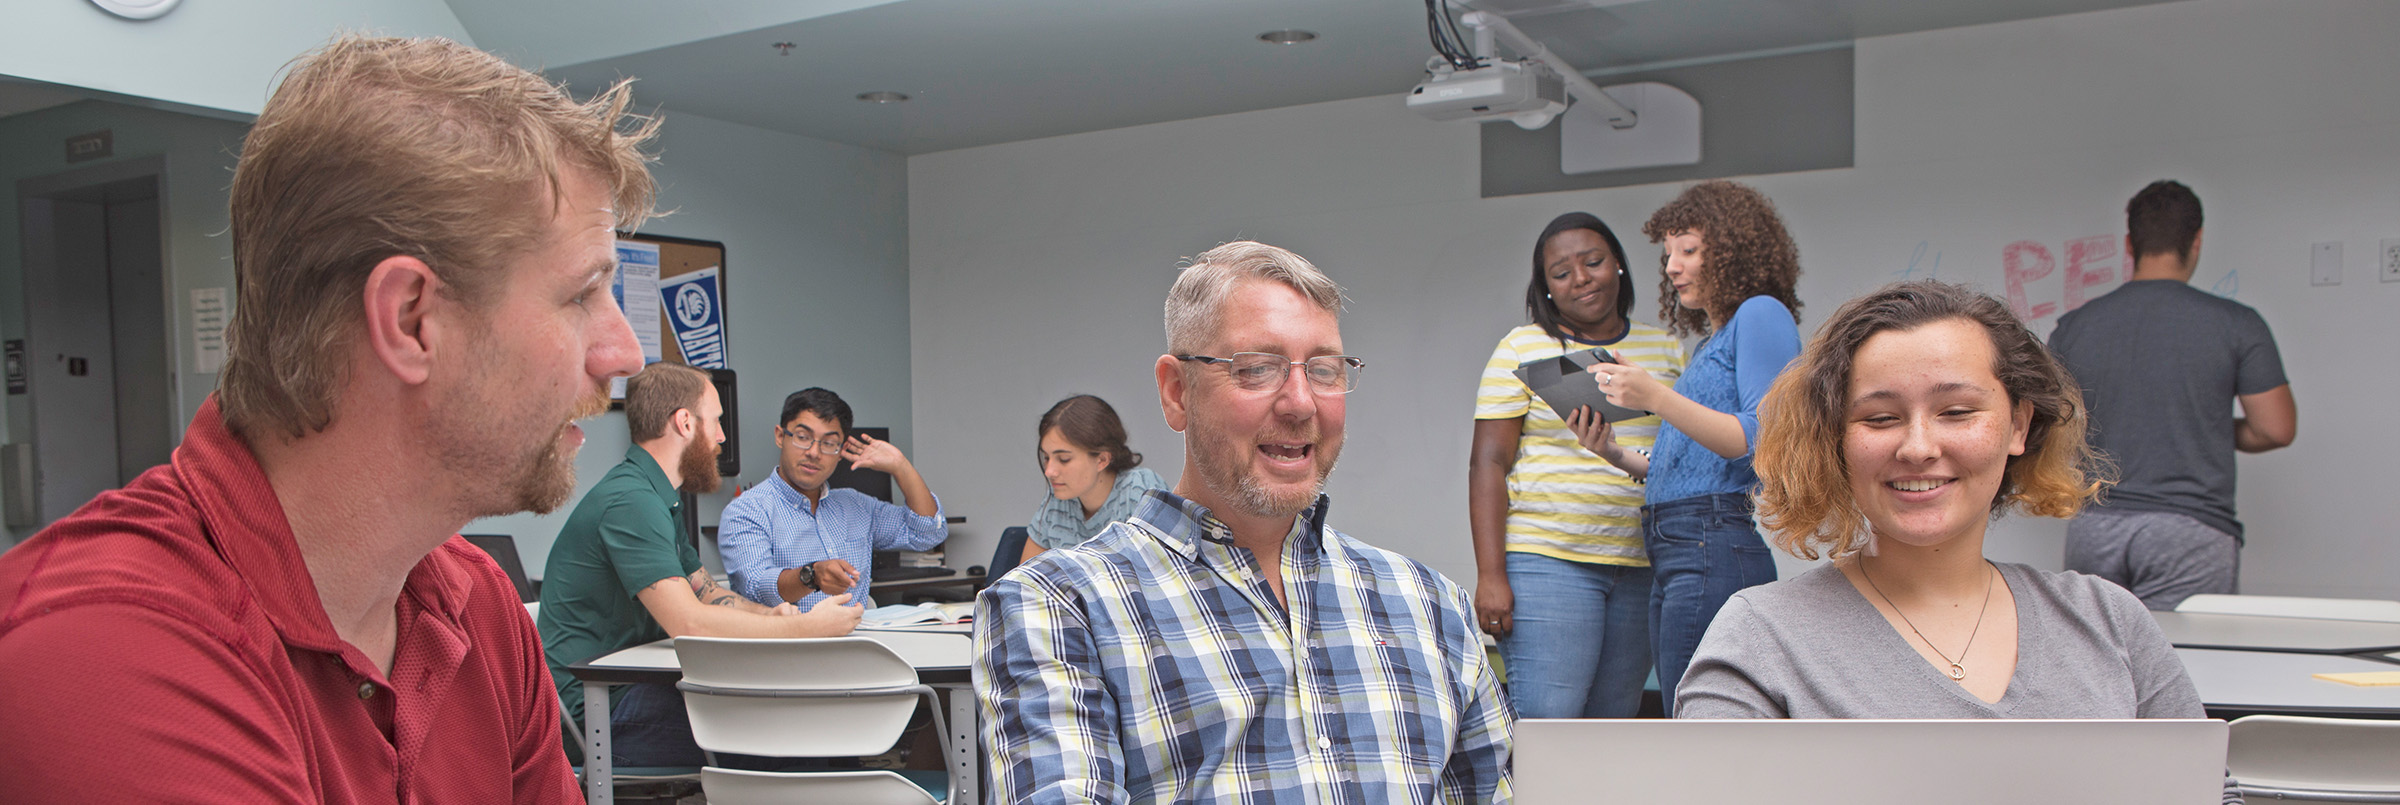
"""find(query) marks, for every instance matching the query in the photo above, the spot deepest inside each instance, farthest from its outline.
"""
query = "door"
(100, 382)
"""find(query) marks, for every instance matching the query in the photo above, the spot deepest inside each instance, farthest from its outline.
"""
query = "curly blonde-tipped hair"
(377, 147)
(1804, 481)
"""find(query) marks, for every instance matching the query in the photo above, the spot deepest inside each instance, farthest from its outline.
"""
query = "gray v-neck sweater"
(1812, 647)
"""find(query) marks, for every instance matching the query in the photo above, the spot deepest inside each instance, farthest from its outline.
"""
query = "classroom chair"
(2315, 759)
(1007, 554)
(2281, 606)
(805, 698)
(632, 784)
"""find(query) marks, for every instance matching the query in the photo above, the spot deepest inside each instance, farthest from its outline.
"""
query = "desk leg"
(965, 752)
(598, 786)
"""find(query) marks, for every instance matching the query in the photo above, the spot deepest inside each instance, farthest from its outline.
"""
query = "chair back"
(738, 787)
(1006, 556)
(796, 697)
(2315, 759)
(2280, 606)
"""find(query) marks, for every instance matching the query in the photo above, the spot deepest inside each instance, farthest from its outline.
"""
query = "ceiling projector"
(1522, 91)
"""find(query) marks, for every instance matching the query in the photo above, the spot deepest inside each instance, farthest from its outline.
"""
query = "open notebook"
(897, 615)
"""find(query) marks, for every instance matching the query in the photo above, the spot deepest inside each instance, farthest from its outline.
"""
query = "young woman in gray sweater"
(1919, 413)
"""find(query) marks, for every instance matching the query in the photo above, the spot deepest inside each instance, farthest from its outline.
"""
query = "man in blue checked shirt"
(792, 539)
(1223, 644)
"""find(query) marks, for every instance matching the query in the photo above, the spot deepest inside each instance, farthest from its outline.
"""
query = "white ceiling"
(991, 71)
(986, 71)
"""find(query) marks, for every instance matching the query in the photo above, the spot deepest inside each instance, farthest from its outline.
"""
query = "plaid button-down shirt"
(1154, 664)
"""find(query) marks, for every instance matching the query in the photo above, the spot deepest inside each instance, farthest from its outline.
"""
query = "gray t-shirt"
(1812, 647)
(2160, 363)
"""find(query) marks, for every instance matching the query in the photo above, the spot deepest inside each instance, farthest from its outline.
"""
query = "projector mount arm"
(1491, 27)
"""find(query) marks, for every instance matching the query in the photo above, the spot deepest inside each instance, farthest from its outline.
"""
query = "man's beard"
(548, 478)
(699, 468)
(1223, 463)
(470, 435)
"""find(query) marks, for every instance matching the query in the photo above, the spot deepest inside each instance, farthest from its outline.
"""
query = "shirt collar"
(785, 492)
(1184, 525)
(244, 521)
(646, 466)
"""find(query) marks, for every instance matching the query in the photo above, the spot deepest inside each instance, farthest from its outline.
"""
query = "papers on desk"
(2364, 679)
(897, 615)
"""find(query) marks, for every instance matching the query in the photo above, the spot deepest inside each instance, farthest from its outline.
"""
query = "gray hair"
(1192, 304)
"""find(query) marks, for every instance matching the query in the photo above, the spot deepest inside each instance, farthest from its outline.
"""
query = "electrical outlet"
(2325, 263)
(2391, 260)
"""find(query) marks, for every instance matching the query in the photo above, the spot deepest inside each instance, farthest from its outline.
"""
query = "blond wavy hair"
(1804, 480)
(378, 147)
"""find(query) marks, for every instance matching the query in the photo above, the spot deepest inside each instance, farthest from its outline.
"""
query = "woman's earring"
(1547, 296)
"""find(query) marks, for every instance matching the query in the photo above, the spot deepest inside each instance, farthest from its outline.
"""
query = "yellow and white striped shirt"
(1563, 501)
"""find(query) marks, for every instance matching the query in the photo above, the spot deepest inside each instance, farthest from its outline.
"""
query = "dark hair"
(825, 404)
(2164, 217)
(1804, 493)
(1090, 423)
(1539, 306)
(653, 396)
(1746, 248)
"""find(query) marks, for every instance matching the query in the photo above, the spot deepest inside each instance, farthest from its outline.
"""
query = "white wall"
(211, 54)
(1037, 268)
(816, 253)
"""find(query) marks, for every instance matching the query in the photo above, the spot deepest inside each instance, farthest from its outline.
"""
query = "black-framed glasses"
(1266, 371)
(831, 445)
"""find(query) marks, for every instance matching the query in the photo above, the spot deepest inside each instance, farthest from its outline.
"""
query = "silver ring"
(1608, 380)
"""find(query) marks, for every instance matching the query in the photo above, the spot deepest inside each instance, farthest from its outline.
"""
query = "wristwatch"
(808, 576)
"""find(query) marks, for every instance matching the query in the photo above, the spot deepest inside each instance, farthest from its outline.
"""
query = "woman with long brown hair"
(1094, 478)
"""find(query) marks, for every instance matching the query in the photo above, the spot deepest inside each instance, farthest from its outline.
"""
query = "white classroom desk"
(2211, 630)
(941, 656)
(2281, 682)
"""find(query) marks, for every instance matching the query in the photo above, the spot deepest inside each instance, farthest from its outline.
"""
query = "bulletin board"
(680, 262)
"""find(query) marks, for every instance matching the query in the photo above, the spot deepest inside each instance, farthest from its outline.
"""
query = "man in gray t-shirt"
(2159, 360)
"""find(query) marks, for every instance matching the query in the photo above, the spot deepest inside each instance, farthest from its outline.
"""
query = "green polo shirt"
(620, 539)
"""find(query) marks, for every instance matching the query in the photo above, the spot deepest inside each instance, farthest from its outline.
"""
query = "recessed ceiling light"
(1289, 36)
(883, 96)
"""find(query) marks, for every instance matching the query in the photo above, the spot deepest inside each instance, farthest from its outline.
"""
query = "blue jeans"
(650, 728)
(1580, 647)
(1703, 549)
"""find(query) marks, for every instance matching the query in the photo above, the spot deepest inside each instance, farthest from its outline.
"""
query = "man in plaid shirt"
(1224, 645)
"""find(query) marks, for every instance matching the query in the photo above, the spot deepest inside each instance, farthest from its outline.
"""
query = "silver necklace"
(1957, 670)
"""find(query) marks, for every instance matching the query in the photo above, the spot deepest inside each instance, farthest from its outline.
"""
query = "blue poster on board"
(696, 308)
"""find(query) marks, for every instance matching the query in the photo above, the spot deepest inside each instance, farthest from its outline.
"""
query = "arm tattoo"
(726, 600)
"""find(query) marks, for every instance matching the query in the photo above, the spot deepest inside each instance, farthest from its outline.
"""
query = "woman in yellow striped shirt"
(1552, 522)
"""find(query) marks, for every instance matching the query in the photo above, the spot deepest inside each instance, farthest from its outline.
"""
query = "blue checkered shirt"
(1154, 664)
(770, 527)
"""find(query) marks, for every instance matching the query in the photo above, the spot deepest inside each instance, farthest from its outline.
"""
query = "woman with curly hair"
(1922, 412)
(1729, 271)
(1553, 525)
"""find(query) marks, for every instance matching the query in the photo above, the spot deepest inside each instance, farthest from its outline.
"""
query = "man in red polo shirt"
(422, 240)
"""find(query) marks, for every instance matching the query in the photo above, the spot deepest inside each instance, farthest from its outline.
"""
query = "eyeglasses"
(830, 445)
(1266, 371)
